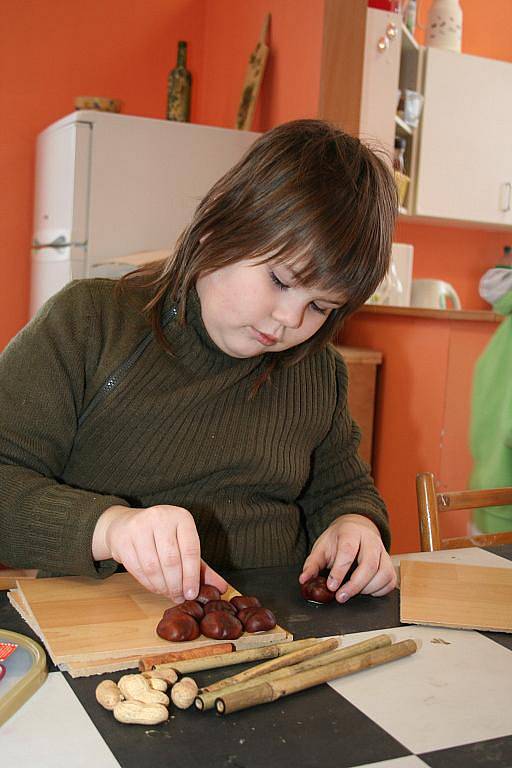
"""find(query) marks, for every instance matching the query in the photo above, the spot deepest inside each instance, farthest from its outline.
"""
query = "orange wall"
(51, 52)
(291, 82)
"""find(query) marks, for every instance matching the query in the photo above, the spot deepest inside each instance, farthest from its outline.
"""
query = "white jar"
(444, 25)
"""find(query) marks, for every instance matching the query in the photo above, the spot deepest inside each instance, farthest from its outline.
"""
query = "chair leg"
(428, 512)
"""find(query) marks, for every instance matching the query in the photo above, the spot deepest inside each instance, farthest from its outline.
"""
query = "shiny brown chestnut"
(219, 605)
(244, 601)
(316, 591)
(221, 625)
(260, 620)
(207, 593)
(178, 627)
(244, 614)
(192, 607)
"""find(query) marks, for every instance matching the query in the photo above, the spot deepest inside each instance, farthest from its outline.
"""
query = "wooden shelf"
(474, 315)
(409, 40)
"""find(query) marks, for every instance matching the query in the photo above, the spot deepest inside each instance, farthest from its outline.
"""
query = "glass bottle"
(410, 16)
(178, 88)
(399, 157)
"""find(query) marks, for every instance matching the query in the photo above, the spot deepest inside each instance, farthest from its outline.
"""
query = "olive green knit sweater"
(93, 412)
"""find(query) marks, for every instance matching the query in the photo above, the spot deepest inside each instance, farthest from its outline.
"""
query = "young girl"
(195, 408)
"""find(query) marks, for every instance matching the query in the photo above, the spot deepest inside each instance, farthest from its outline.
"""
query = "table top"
(378, 718)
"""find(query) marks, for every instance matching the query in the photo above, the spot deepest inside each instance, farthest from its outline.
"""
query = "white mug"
(434, 294)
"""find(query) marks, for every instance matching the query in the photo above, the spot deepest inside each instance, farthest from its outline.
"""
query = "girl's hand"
(348, 538)
(159, 546)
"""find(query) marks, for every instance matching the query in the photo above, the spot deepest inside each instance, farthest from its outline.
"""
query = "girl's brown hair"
(304, 189)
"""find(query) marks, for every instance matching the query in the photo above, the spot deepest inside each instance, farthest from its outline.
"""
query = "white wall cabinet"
(464, 169)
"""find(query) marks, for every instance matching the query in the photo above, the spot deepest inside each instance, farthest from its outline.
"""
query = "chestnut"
(260, 620)
(192, 607)
(221, 625)
(244, 601)
(219, 605)
(207, 593)
(178, 627)
(316, 591)
(244, 614)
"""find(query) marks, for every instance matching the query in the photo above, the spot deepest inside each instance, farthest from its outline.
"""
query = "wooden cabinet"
(360, 69)
(367, 57)
(362, 378)
(465, 158)
(458, 159)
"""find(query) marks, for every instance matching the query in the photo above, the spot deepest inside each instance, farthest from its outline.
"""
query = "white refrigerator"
(108, 186)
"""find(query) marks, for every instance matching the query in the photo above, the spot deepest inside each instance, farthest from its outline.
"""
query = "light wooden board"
(253, 78)
(460, 596)
(84, 620)
(9, 576)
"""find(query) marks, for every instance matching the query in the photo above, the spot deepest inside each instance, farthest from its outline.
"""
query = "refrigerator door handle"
(59, 242)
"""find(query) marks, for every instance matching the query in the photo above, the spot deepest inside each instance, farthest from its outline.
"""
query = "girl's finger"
(368, 566)
(388, 587)
(189, 548)
(170, 562)
(148, 557)
(209, 576)
(133, 566)
(347, 552)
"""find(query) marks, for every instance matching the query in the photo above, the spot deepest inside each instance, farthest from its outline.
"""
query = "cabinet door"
(465, 156)
(381, 69)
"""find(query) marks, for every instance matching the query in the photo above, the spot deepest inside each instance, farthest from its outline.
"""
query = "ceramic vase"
(444, 25)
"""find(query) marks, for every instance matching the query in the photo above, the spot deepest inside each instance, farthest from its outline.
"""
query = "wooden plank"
(253, 78)
(9, 576)
(459, 596)
(84, 620)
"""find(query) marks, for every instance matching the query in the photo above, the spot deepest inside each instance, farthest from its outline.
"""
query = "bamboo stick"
(269, 690)
(301, 654)
(237, 657)
(150, 662)
(206, 699)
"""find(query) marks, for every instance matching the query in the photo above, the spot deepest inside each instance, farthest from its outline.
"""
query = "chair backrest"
(430, 503)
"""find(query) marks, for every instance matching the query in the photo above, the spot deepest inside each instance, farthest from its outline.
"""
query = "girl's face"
(252, 307)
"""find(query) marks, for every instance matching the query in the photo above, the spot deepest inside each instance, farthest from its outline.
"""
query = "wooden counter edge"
(474, 315)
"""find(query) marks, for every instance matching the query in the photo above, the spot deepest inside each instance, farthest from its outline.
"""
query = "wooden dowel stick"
(301, 654)
(265, 692)
(149, 662)
(206, 700)
(237, 657)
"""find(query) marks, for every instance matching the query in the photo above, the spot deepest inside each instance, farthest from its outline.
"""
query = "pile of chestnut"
(213, 617)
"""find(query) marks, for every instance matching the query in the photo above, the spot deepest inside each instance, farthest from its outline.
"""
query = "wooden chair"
(430, 503)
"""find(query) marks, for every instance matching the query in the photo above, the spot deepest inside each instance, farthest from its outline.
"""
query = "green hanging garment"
(491, 412)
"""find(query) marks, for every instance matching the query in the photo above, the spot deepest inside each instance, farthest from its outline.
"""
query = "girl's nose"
(289, 314)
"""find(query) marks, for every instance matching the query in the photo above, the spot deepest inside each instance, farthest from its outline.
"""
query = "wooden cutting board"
(253, 78)
(84, 620)
(453, 595)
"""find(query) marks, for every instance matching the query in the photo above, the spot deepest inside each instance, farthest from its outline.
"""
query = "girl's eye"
(277, 281)
(318, 309)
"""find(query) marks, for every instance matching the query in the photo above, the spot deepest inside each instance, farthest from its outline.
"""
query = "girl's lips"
(264, 338)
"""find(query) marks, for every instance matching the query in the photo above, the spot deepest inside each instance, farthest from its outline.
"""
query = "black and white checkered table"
(450, 704)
